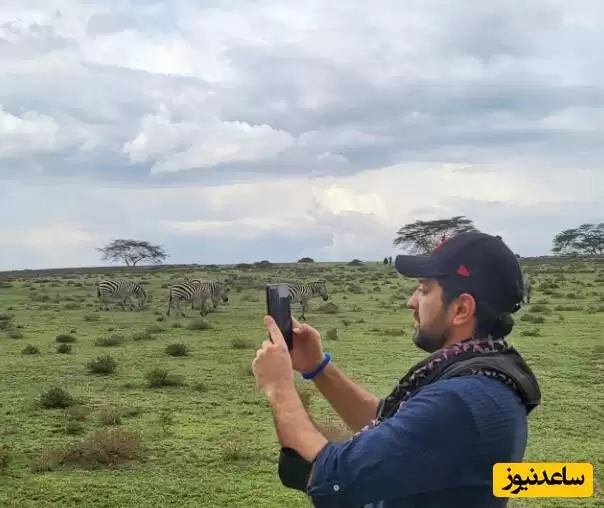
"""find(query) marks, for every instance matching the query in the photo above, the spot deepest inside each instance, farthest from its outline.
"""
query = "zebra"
(528, 289)
(122, 289)
(196, 291)
(301, 292)
(219, 291)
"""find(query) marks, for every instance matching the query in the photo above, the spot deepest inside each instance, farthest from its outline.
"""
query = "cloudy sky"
(237, 131)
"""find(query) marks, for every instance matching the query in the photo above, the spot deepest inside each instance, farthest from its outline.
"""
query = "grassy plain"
(206, 439)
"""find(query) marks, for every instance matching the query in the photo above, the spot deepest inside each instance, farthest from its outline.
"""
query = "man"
(433, 441)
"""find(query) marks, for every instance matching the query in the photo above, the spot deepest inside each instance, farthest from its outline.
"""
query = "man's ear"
(464, 309)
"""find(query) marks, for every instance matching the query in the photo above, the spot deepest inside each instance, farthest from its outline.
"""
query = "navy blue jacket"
(437, 451)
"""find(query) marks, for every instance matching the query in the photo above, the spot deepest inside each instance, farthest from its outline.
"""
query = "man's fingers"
(274, 331)
(297, 326)
(295, 323)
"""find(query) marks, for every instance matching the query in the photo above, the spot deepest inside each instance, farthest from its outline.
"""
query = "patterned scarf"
(441, 362)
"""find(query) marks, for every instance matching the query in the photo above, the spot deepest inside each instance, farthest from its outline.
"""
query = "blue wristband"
(319, 369)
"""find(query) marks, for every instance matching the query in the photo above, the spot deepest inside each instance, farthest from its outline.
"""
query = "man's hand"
(273, 364)
(307, 352)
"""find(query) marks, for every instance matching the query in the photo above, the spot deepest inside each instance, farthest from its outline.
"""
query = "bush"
(332, 334)
(64, 349)
(328, 308)
(14, 334)
(177, 350)
(110, 416)
(30, 350)
(158, 378)
(6, 321)
(112, 340)
(65, 338)
(199, 324)
(5, 458)
(145, 335)
(102, 365)
(56, 397)
(241, 344)
(107, 447)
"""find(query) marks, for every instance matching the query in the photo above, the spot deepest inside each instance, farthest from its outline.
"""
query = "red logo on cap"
(442, 241)
(463, 271)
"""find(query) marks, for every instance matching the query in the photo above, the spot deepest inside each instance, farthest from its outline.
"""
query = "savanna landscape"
(135, 408)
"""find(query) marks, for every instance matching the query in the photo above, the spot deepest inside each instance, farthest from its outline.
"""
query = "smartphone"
(277, 306)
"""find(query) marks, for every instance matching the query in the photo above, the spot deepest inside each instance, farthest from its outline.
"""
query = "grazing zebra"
(219, 291)
(123, 289)
(304, 291)
(528, 289)
(196, 291)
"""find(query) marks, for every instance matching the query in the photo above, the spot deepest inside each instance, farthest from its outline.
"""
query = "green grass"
(173, 416)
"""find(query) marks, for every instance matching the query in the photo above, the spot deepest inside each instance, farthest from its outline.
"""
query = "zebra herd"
(203, 294)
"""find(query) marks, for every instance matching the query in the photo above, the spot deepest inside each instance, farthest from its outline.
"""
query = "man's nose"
(412, 302)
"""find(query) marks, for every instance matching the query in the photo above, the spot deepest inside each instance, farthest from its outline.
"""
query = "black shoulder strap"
(509, 363)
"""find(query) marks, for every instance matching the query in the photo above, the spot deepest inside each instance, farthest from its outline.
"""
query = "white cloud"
(49, 238)
(199, 125)
(27, 134)
(206, 143)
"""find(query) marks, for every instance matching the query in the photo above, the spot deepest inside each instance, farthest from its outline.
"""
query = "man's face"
(432, 321)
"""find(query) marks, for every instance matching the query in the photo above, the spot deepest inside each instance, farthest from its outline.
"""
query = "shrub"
(14, 334)
(5, 458)
(328, 308)
(56, 397)
(6, 321)
(110, 416)
(64, 349)
(107, 447)
(332, 334)
(65, 338)
(540, 309)
(532, 318)
(102, 365)
(200, 386)
(531, 333)
(30, 350)
(241, 344)
(112, 340)
(177, 350)
(158, 378)
(145, 335)
(199, 324)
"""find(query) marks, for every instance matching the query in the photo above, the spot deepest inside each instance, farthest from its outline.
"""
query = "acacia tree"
(132, 252)
(421, 237)
(584, 240)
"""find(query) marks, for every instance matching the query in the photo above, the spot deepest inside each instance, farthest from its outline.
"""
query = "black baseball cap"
(475, 263)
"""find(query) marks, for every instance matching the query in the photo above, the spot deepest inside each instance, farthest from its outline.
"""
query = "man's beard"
(430, 340)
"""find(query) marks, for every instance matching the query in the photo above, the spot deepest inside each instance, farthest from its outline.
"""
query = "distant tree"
(132, 252)
(421, 237)
(584, 240)
(385, 261)
(306, 260)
